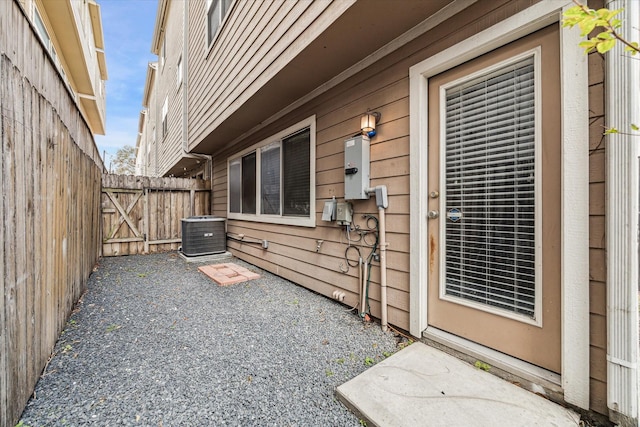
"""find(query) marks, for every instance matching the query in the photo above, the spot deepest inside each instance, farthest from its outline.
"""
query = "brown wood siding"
(385, 88)
(49, 213)
(255, 42)
(597, 248)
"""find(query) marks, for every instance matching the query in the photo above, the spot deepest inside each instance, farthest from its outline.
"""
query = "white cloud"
(121, 131)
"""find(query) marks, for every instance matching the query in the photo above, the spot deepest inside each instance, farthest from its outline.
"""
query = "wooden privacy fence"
(142, 215)
(50, 175)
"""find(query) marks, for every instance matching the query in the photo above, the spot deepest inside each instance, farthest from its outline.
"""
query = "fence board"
(50, 173)
(142, 214)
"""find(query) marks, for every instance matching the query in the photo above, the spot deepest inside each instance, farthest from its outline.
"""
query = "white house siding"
(170, 146)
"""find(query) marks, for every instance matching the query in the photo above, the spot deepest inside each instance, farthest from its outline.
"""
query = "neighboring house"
(146, 147)
(510, 221)
(72, 33)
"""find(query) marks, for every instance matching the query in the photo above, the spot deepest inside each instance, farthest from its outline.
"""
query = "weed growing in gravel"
(142, 274)
(113, 327)
(387, 354)
(368, 361)
(67, 348)
(340, 361)
(328, 372)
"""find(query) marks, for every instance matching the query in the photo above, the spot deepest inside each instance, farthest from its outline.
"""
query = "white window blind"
(490, 189)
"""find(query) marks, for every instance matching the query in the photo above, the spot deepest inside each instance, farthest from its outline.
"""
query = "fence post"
(145, 219)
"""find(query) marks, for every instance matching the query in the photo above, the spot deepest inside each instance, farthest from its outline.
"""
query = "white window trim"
(575, 180)
(279, 219)
(537, 320)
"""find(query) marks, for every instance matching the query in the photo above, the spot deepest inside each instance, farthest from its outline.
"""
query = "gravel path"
(156, 343)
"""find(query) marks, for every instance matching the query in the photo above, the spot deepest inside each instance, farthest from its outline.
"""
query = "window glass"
(270, 179)
(179, 71)
(249, 183)
(165, 112)
(235, 178)
(273, 180)
(41, 28)
(296, 174)
(213, 19)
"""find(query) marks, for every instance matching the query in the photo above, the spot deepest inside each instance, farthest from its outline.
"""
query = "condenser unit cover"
(203, 235)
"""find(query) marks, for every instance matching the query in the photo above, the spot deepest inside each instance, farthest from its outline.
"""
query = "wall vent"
(203, 235)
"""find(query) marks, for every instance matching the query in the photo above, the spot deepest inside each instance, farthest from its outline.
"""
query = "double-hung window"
(274, 180)
(216, 11)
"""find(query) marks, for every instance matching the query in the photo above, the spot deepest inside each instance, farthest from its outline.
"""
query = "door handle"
(433, 214)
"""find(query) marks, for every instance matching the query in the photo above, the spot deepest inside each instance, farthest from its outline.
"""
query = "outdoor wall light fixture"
(368, 123)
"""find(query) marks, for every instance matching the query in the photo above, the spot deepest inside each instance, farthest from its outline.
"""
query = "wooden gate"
(142, 215)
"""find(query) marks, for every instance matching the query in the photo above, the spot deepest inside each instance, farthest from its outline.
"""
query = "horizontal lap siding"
(170, 146)
(50, 173)
(383, 87)
(597, 248)
(256, 41)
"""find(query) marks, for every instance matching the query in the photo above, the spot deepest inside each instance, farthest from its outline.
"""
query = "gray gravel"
(154, 342)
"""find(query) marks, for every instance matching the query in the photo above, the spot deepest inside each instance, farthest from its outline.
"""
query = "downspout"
(622, 90)
(185, 98)
(382, 202)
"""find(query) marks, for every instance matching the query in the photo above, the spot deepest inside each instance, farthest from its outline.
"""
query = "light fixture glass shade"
(368, 122)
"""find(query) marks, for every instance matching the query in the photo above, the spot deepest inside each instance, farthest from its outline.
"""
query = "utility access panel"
(356, 168)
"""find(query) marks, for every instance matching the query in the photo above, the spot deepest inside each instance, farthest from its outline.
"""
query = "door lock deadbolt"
(434, 194)
(433, 214)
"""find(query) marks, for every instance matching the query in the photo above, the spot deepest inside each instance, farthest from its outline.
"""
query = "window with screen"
(273, 181)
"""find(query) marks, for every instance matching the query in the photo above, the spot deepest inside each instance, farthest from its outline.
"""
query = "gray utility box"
(203, 235)
(356, 168)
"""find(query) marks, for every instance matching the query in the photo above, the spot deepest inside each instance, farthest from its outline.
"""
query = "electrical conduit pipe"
(382, 202)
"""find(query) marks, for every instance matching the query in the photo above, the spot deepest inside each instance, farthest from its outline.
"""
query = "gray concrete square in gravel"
(154, 342)
(422, 386)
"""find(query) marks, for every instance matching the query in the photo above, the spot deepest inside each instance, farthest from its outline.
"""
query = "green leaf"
(605, 35)
(587, 45)
(573, 11)
(586, 27)
(611, 131)
(634, 127)
(606, 46)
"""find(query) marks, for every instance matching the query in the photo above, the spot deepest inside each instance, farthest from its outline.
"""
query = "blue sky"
(128, 27)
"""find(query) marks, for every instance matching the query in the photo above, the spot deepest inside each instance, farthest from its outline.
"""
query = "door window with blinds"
(274, 181)
(491, 172)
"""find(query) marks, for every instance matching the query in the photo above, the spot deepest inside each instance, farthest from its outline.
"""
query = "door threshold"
(533, 378)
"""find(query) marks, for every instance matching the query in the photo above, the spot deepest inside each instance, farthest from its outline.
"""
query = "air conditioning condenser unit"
(203, 235)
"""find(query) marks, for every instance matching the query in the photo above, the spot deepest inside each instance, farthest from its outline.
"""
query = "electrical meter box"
(356, 168)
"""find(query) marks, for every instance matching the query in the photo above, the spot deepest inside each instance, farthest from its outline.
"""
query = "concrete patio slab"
(422, 386)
